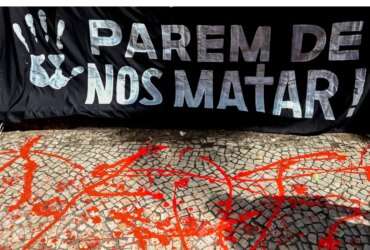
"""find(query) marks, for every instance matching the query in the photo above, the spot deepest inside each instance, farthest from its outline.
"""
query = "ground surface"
(151, 189)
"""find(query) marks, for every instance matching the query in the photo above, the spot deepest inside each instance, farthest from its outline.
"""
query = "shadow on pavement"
(294, 222)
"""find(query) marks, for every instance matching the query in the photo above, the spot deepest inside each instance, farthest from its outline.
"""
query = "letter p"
(98, 41)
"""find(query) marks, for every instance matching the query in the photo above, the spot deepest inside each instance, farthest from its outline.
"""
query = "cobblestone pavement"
(168, 189)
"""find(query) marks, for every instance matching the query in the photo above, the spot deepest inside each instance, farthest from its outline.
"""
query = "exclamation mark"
(359, 88)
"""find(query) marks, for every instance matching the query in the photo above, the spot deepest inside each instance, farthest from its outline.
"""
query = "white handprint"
(38, 75)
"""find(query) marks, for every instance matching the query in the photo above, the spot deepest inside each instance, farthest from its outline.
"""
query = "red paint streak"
(25, 150)
(363, 153)
(8, 164)
(317, 156)
(248, 215)
(329, 242)
(183, 151)
(8, 152)
(179, 184)
(226, 224)
(8, 180)
(29, 169)
(367, 172)
(69, 162)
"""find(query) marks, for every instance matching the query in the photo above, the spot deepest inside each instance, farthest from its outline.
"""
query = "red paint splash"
(183, 183)
(176, 226)
(299, 189)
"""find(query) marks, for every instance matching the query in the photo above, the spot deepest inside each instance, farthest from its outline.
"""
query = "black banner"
(292, 70)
